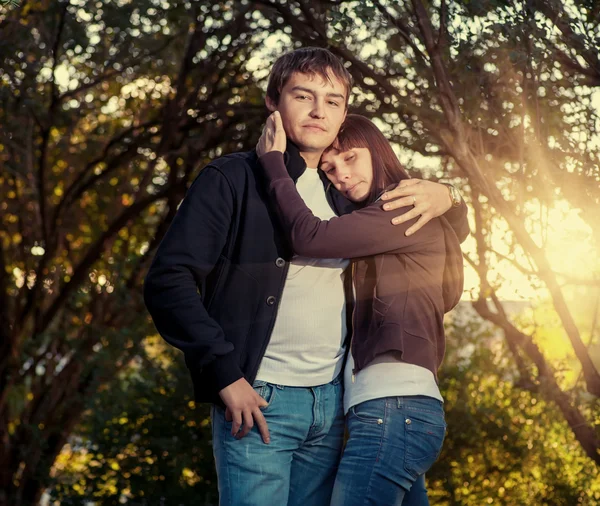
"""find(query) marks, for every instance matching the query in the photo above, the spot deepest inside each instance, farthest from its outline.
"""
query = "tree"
(107, 113)
(475, 87)
(505, 444)
(143, 440)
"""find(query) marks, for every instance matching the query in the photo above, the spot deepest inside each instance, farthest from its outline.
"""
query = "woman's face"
(351, 172)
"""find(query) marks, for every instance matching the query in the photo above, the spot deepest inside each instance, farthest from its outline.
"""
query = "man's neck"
(311, 159)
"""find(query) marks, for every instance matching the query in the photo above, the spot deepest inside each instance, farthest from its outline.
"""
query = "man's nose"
(318, 110)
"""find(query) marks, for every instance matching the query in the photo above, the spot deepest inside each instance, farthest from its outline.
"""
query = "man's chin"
(311, 144)
(312, 147)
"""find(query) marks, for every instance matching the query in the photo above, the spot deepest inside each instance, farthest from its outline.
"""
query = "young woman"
(403, 286)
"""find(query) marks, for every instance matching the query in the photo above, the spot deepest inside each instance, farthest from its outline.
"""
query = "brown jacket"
(403, 285)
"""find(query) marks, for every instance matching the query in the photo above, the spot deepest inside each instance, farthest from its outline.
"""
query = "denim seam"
(433, 412)
(362, 419)
(441, 415)
(225, 450)
(377, 460)
(383, 432)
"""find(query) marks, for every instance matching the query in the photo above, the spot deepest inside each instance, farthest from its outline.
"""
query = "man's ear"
(272, 106)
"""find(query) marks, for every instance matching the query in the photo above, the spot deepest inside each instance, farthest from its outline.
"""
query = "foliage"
(143, 440)
(506, 444)
(108, 110)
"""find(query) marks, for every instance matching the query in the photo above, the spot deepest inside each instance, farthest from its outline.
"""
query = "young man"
(263, 332)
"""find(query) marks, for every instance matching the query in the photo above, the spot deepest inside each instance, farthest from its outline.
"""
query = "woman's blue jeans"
(393, 442)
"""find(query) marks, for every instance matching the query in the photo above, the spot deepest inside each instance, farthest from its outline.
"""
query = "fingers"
(262, 141)
(278, 122)
(262, 426)
(417, 226)
(248, 424)
(413, 213)
(398, 203)
(261, 402)
(279, 137)
(404, 188)
(244, 418)
(251, 418)
(409, 215)
(237, 422)
(410, 182)
(401, 191)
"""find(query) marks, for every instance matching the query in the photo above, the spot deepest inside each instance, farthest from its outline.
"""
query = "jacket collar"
(294, 162)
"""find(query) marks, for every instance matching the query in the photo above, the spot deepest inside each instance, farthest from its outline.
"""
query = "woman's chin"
(358, 198)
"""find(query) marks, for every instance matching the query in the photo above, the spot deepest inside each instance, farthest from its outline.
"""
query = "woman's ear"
(272, 106)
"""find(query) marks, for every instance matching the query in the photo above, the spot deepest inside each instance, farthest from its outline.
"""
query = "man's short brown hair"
(307, 60)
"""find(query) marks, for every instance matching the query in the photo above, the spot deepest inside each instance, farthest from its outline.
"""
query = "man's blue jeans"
(393, 442)
(298, 467)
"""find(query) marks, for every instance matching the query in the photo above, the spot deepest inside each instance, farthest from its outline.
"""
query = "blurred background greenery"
(109, 109)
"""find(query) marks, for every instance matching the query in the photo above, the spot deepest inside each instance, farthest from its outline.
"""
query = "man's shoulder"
(232, 169)
(235, 163)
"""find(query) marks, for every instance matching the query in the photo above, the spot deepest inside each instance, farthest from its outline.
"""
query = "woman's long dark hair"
(360, 132)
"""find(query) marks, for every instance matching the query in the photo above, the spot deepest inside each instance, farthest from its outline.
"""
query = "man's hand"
(273, 136)
(428, 198)
(243, 407)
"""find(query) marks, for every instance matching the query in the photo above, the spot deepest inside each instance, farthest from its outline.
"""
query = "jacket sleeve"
(365, 232)
(185, 257)
(457, 218)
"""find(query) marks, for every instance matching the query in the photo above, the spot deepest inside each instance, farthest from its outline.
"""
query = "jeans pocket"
(424, 432)
(369, 411)
(266, 391)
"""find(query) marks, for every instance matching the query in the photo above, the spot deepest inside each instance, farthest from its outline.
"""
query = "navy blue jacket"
(214, 286)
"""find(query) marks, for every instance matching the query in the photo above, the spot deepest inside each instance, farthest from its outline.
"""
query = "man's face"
(312, 110)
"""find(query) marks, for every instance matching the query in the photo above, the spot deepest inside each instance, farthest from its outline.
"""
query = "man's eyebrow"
(312, 92)
(302, 88)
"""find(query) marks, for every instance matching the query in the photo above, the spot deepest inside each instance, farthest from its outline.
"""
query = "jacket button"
(280, 262)
(271, 300)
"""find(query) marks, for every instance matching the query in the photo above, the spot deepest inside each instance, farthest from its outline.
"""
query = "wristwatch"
(454, 195)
